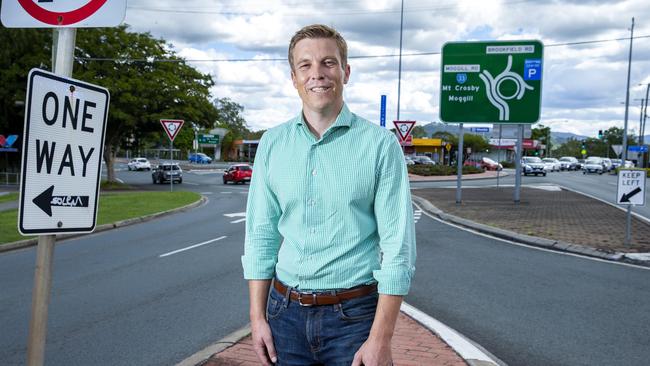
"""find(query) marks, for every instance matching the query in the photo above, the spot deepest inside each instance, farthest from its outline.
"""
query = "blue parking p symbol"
(533, 69)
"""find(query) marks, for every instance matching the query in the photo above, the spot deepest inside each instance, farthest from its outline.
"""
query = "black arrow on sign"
(45, 201)
(626, 197)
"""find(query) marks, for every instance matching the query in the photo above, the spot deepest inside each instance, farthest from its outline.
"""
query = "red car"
(238, 173)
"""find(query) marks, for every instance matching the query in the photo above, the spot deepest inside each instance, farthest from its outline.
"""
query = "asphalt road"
(116, 301)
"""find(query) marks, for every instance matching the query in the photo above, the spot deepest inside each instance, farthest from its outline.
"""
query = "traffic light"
(583, 146)
(600, 134)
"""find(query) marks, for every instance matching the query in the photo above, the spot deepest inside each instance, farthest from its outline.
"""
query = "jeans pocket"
(362, 308)
(275, 304)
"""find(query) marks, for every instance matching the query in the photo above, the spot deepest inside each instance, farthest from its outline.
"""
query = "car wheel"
(180, 181)
(225, 181)
(544, 174)
(154, 180)
(600, 172)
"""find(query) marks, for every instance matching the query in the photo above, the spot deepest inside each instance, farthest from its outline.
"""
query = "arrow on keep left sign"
(626, 196)
(46, 200)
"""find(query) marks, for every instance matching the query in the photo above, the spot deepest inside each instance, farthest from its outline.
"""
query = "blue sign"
(637, 148)
(382, 113)
(461, 78)
(533, 69)
(480, 129)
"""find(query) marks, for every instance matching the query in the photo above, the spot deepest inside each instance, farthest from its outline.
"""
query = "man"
(329, 228)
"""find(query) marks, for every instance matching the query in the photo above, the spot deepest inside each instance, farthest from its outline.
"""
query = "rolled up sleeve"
(262, 241)
(394, 214)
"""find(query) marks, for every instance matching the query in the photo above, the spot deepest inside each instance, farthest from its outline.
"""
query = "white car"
(139, 164)
(593, 165)
(553, 164)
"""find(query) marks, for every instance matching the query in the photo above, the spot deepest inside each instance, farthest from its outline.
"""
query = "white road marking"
(191, 184)
(207, 192)
(531, 246)
(226, 192)
(192, 246)
(236, 221)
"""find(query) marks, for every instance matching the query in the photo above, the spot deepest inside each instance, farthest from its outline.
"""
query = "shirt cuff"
(256, 268)
(394, 281)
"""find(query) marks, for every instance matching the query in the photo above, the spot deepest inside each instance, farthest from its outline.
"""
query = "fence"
(9, 178)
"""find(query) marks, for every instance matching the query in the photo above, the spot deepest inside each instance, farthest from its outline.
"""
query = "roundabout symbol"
(493, 89)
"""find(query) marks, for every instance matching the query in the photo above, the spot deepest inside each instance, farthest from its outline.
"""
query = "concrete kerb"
(521, 238)
(31, 242)
(204, 354)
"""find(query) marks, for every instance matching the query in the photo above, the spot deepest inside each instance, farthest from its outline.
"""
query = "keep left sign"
(65, 122)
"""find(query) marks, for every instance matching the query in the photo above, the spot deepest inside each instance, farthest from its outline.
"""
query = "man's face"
(318, 74)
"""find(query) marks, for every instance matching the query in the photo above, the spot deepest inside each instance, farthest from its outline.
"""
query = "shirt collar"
(344, 119)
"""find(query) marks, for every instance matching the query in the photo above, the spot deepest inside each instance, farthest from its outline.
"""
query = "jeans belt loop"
(313, 295)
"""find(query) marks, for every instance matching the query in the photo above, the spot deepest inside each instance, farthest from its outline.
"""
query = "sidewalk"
(413, 345)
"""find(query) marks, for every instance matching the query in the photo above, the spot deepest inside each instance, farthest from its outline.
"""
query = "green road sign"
(209, 139)
(491, 82)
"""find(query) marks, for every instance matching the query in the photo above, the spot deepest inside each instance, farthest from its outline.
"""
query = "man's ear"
(293, 79)
(347, 74)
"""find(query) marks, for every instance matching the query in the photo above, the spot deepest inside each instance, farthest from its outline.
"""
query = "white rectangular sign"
(65, 121)
(510, 131)
(62, 13)
(631, 187)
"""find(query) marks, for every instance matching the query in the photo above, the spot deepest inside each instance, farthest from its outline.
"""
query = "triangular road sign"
(403, 129)
(172, 126)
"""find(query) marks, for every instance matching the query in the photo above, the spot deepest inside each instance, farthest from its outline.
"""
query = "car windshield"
(532, 159)
(594, 161)
(565, 159)
(168, 167)
(142, 160)
(547, 160)
(489, 161)
(245, 168)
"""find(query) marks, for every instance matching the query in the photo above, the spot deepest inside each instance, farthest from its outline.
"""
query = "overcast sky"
(583, 85)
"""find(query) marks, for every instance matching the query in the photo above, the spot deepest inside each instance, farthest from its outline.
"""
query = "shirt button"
(313, 172)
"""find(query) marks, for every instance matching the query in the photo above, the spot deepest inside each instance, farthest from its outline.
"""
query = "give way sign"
(65, 120)
(62, 13)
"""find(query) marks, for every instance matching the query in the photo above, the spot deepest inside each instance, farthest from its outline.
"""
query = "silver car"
(593, 165)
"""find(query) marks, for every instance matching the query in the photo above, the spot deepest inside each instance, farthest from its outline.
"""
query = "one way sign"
(65, 120)
(631, 187)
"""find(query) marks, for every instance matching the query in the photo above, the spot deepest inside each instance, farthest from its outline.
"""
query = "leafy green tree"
(445, 136)
(542, 133)
(418, 132)
(571, 147)
(22, 50)
(142, 91)
(230, 117)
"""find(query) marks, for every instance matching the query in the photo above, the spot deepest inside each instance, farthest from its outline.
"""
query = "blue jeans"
(319, 335)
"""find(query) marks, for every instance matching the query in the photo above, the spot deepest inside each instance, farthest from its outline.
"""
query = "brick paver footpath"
(413, 345)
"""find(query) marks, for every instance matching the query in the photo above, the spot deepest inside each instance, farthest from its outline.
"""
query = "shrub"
(435, 170)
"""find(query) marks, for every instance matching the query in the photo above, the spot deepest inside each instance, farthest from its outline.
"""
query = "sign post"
(630, 192)
(171, 127)
(492, 82)
(382, 112)
(66, 17)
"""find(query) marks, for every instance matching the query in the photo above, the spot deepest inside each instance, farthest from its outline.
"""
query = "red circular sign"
(61, 18)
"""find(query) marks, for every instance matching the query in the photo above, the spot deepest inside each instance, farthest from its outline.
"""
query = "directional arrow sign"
(403, 129)
(63, 144)
(631, 187)
(172, 126)
(46, 200)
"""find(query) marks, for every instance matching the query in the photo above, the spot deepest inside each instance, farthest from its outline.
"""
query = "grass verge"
(9, 197)
(113, 207)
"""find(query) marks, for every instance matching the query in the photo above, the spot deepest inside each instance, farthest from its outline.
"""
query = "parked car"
(553, 163)
(238, 173)
(421, 159)
(581, 163)
(408, 160)
(569, 163)
(489, 164)
(607, 164)
(532, 165)
(165, 172)
(200, 158)
(593, 165)
(139, 164)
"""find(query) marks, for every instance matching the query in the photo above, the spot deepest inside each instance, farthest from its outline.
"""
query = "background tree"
(142, 91)
(571, 147)
(23, 50)
(542, 133)
(418, 132)
(230, 117)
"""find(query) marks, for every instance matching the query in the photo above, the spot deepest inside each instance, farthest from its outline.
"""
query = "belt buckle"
(313, 295)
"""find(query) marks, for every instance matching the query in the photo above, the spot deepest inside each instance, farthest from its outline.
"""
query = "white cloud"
(583, 84)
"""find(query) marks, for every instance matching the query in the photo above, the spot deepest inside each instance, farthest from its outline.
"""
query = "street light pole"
(399, 72)
(628, 226)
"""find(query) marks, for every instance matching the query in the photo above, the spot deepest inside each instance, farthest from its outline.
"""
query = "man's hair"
(319, 31)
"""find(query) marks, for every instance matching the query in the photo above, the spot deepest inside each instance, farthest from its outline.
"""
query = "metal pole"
(459, 164)
(645, 115)
(499, 156)
(518, 156)
(62, 61)
(171, 167)
(628, 226)
(639, 153)
(399, 74)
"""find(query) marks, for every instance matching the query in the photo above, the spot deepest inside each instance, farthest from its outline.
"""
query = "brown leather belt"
(313, 298)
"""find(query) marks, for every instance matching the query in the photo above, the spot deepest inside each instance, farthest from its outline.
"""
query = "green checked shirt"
(332, 213)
